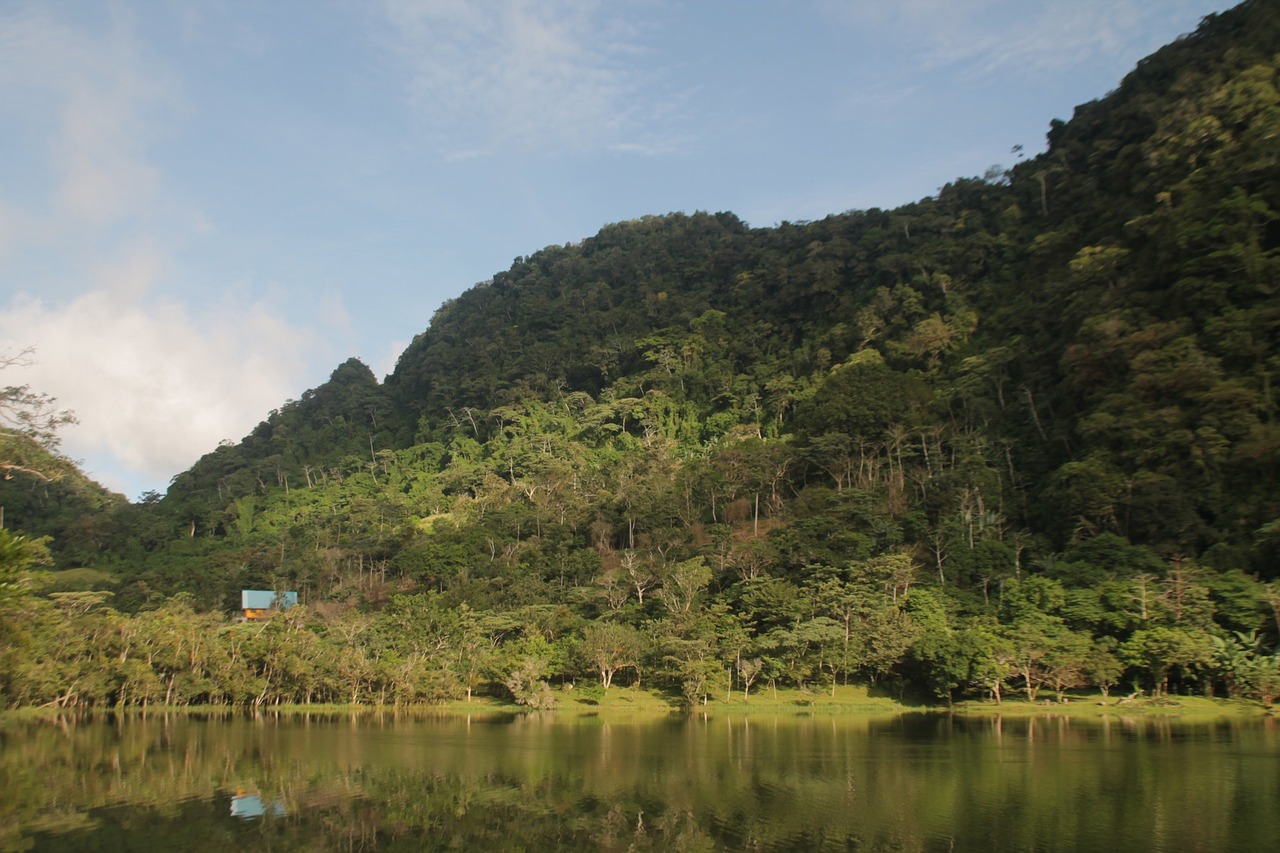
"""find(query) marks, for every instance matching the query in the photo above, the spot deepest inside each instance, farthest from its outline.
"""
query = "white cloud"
(155, 385)
(493, 75)
(156, 373)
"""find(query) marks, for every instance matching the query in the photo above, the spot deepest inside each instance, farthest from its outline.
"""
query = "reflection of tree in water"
(188, 783)
(685, 784)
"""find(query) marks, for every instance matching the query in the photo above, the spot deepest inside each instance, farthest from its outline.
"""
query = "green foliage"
(610, 647)
(1018, 435)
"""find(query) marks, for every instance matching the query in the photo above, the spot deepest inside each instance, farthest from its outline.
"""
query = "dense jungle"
(1017, 437)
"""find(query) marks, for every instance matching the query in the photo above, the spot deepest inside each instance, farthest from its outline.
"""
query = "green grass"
(1093, 705)
(854, 700)
(620, 702)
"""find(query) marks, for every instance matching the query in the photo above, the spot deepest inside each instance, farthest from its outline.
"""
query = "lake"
(920, 782)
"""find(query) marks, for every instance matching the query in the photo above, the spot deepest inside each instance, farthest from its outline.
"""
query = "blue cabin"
(261, 603)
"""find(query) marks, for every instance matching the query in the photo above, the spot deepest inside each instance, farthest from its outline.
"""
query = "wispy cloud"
(1005, 36)
(107, 102)
(12, 226)
(562, 75)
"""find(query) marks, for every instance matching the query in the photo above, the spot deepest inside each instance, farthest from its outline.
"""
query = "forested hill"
(1065, 370)
(1106, 313)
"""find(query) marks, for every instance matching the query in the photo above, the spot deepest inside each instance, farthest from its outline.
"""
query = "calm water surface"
(912, 783)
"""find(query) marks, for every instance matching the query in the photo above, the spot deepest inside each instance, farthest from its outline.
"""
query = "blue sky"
(207, 206)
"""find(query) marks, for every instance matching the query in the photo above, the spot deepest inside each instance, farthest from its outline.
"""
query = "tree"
(1262, 678)
(1067, 664)
(528, 662)
(984, 656)
(17, 555)
(29, 424)
(1033, 641)
(476, 638)
(748, 671)
(683, 584)
(611, 646)
(1102, 668)
(884, 636)
(1161, 650)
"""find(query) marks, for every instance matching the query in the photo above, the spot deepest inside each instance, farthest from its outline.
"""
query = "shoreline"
(621, 703)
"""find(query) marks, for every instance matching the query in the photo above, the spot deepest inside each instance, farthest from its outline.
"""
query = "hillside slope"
(1084, 344)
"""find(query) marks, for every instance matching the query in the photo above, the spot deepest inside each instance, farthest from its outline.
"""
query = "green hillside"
(1019, 434)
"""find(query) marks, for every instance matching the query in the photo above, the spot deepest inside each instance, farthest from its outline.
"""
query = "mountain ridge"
(1097, 317)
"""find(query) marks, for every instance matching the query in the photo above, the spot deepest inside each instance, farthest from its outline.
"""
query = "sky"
(207, 205)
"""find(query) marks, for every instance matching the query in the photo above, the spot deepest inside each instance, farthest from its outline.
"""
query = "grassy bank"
(853, 700)
(1085, 706)
(629, 702)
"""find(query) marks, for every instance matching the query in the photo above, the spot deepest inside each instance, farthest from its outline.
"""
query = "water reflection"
(248, 806)
(914, 783)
